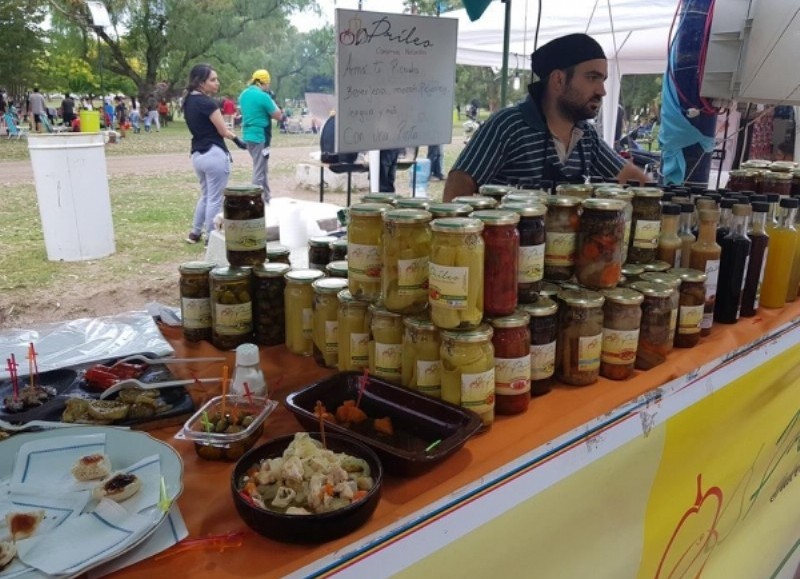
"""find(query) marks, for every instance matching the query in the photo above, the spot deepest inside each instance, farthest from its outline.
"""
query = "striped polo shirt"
(513, 145)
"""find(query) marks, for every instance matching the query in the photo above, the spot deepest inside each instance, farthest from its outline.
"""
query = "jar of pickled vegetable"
(325, 323)
(646, 226)
(353, 332)
(598, 264)
(195, 300)
(269, 313)
(496, 192)
(338, 249)
(477, 202)
(690, 311)
(655, 340)
(456, 273)
(364, 250)
(561, 225)
(468, 371)
(501, 261)
(406, 251)
(742, 180)
(278, 254)
(319, 251)
(337, 269)
(626, 197)
(438, 210)
(512, 362)
(580, 336)
(622, 314)
(421, 363)
(299, 299)
(385, 343)
(245, 228)
(580, 190)
(544, 332)
(674, 283)
(531, 250)
(413, 203)
(231, 307)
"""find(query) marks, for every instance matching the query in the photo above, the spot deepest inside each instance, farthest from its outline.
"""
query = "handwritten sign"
(395, 80)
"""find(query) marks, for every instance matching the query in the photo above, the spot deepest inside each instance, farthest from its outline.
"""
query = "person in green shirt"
(258, 109)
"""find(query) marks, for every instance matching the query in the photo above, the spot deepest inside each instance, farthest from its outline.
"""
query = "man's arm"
(459, 183)
(631, 172)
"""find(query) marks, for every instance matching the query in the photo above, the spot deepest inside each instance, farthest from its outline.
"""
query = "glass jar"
(598, 263)
(406, 251)
(674, 283)
(531, 250)
(319, 251)
(269, 313)
(438, 210)
(421, 363)
(195, 290)
(277, 253)
(299, 299)
(544, 332)
(622, 314)
(774, 182)
(512, 362)
(353, 332)
(364, 250)
(526, 197)
(657, 266)
(625, 196)
(742, 180)
(477, 202)
(338, 249)
(655, 339)
(231, 307)
(245, 227)
(325, 324)
(501, 261)
(456, 273)
(646, 224)
(337, 269)
(468, 371)
(580, 190)
(580, 336)
(421, 203)
(385, 343)
(631, 272)
(496, 192)
(561, 224)
(549, 290)
(382, 198)
(690, 311)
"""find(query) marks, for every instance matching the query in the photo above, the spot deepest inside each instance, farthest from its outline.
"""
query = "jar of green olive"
(195, 300)
(269, 313)
(337, 269)
(580, 336)
(231, 307)
(468, 370)
(245, 227)
(299, 298)
(325, 312)
(319, 251)
(278, 254)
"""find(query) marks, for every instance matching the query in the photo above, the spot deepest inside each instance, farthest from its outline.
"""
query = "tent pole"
(504, 71)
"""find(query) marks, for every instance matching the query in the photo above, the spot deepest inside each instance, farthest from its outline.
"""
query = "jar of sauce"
(690, 310)
(501, 261)
(385, 343)
(299, 299)
(269, 313)
(406, 251)
(512, 362)
(544, 332)
(231, 307)
(438, 210)
(338, 249)
(531, 250)
(421, 363)
(195, 292)
(580, 336)
(655, 339)
(468, 371)
(277, 253)
(561, 223)
(477, 202)
(319, 251)
(364, 263)
(598, 263)
(622, 315)
(646, 225)
(337, 269)
(325, 323)
(742, 180)
(353, 332)
(774, 182)
(245, 228)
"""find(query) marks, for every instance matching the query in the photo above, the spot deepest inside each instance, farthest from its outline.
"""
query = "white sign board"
(395, 80)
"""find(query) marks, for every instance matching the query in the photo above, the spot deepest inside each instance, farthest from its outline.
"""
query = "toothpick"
(31, 361)
(248, 393)
(12, 369)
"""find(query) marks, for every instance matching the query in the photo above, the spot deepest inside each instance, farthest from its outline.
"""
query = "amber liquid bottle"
(669, 242)
(733, 266)
(783, 245)
(705, 257)
(685, 233)
(755, 267)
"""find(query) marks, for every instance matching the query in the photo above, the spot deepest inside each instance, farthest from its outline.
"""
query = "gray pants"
(213, 169)
(260, 168)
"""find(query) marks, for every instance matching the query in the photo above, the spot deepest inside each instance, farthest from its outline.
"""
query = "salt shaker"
(248, 370)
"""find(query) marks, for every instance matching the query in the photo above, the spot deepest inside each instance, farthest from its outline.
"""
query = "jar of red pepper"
(501, 265)
(544, 331)
(512, 363)
(598, 263)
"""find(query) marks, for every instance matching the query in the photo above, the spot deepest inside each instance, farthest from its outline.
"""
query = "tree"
(20, 29)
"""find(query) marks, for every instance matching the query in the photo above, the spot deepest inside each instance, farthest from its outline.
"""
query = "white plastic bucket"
(422, 168)
(69, 170)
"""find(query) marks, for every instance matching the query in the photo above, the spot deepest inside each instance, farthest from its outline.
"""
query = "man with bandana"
(546, 138)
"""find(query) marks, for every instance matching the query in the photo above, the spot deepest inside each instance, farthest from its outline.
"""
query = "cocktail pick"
(318, 408)
(362, 385)
(224, 388)
(12, 370)
(163, 501)
(248, 393)
(204, 420)
(32, 365)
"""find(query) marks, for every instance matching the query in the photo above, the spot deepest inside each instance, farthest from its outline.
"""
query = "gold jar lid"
(482, 333)
(670, 279)
(449, 210)
(581, 298)
(647, 192)
(652, 289)
(524, 209)
(387, 198)
(632, 270)
(407, 216)
(576, 189)
(303, 276)
(230, 273)
(775, 176)
(747, 173)
(689, 275)
(345, 297)
(613, 193)
(337, 268)
(548, 289)
(623, 296)
(271, 269)
(419, 323)
(196, 267)
(492, 217)
(782, 166)
(412, 203)
(369, 209)
(756, 164)
(526, 196)
(656, 266)
(476, 201)
(339, 242)
(562, 201)
(607, 185)
(321, 240)
(603, 204)
(457, 225)
(329, 285)
(242, 190)
(518, 319)
(542, 307)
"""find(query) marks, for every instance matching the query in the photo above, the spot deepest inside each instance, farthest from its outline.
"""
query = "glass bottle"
(338, 249)
(725, 218)
(561, 224)
(512, 362)
(598, 260)
(421, 362)
(385, 343)
(501, 261)
(774, 211)
(298, 301)
(195, 300)
(627, 197)
(406, 250)
(248, 371)
(646, 225)
(353, 332)
(325, 323)
(685, 233)
(544, 332)
(231, 307)
(759, 241)
(364, 250)
(580, 336)
(690, 308)
(278, 253)
(245, 227)
(269, 312)
(794, 275)
(670, 244)
(622, 314)
(782, 250)
(337, 269)
(705, 257)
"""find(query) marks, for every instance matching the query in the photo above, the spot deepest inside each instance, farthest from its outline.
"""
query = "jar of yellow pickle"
(337, 269)
(325, 312)
(406, 250)
(364, 250)
(477, 202)
(299, 298)
(195, 300)
(385, 343)
(421, 362)
(231, 307)
(456, 273)
(353, 332)
(413, 203)
(449, 210)
(468, 370)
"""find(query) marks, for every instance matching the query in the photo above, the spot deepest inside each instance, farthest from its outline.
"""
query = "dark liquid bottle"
(725, 217)
(732, 267)
(755, 267)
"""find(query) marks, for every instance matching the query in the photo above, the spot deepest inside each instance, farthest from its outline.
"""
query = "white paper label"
(543, 361)
(689, 319)
(245, 234)
(589, 348)
(512, 375)
(359, 350)
(412, 276)
(233, 319)
(477, 391)
(331, 336)
(308, 323)
(388, 359)
(364, 262)
(531, 263)
(646, 234)
(560, 249)
(196, 313)
(449, 286)
(429, 377)
(619, 346)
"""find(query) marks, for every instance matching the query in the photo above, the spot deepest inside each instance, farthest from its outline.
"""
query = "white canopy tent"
(633, 33)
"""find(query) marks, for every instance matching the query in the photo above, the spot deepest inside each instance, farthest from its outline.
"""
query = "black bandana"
(564, 52)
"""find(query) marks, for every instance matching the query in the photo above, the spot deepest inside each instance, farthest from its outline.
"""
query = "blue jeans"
(435, 157)
(213, 169)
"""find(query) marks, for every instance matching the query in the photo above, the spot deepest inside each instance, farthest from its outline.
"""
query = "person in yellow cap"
(258, 109)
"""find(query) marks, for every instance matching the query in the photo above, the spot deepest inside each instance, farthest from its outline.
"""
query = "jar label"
(245, 234)
(712, 277)
(388, 359)
(543, 361)
(331, 336)
(429, 376)
(689, 319)
(619, 346)
(196, 313)
(646, 235)
(512, 375)
(359, 350)
(449, 286)
(589, 348)
(233, 319)
(308, 323)
(412, 276)
(364, 262)
(560, 248)
(531, 263)
(477, 391)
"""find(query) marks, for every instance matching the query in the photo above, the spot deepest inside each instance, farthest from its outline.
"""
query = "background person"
(37, 107)
(67, 110)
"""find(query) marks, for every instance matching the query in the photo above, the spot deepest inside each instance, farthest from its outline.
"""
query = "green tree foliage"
(20, 38)
(640, 94)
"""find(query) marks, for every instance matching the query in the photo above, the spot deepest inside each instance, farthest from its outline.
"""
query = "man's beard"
(575, 110)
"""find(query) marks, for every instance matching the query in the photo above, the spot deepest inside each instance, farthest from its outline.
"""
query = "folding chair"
(13, 129)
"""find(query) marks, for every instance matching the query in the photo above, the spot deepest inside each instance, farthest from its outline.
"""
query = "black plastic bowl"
(316, 528)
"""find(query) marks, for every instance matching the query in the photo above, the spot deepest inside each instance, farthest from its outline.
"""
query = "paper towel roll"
(292, 227)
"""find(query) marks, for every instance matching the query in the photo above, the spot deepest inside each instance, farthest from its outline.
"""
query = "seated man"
(327, 144)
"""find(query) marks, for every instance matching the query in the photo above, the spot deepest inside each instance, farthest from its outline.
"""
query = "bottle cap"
(247, 355)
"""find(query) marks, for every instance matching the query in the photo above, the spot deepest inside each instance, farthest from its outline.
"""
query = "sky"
(309, 21)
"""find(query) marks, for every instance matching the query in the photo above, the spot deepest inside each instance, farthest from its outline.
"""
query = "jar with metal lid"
(674, 282)
(619, 194)
(337, 269)
(526, 197)
(364, 250)
(646, 224)
(299, 300)
(468, 370)
(531, 250)
(496, 192)
(277, 253)
(774, 182)
(477, 202)
(245, 227)
(655, 339)
(783, 166)
(631, 272)
(231, 307)
(742, 180)
(580, 190)
(421, 362)
(195, 292)
(353, 332)
(501, 261)
(690, 310)
(598, 263)
(455, 273)
(269, 312)
(756, 164)
(385, 343)
(413, 203)
(561, 224)
(549, 290)
(319, 251)
(580, 336)
(338, 249)
(406, 251)
(386, 198)
(544, 332)
(657, 266)
(325, 323)
(438, 210)
(622, 314)
(512, 362)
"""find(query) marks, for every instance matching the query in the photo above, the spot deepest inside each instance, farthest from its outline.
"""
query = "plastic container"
(419, 176)
(90, 121)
